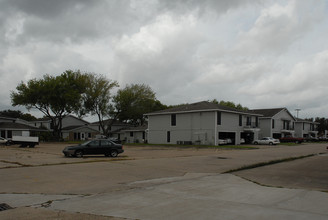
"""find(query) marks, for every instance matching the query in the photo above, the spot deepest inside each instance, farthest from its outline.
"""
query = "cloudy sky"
(261, 54)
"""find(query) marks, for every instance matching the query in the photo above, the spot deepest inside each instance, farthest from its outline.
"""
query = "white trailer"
(25, 141)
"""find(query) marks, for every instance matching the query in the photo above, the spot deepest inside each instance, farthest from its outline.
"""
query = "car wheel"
(79, 153)
(113, 153)
(270, 143)
(256, 143)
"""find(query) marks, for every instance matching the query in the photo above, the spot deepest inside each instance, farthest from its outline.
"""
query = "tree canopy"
(54, 96)
(230, 104)
(132, 102)
(97, 99)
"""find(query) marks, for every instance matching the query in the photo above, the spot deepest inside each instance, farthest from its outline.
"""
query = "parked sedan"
(267, 140)
(93, 147)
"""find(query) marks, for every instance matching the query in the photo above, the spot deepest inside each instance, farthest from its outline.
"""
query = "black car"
(93, 147)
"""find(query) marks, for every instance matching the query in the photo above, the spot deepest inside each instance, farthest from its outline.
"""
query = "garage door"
(228, 135)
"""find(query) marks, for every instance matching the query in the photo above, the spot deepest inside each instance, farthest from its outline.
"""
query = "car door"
(263, 141)
(106, 146)
(92, 147)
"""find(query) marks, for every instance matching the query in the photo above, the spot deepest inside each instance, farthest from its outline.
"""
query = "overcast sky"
(261, 54)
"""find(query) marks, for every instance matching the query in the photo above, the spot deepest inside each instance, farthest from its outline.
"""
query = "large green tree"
(132, 102)
(97, 99)
(55, 97)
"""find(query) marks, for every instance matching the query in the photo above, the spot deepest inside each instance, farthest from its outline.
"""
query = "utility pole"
(297, 110)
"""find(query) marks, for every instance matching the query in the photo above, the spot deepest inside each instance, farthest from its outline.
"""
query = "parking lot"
(146, 181)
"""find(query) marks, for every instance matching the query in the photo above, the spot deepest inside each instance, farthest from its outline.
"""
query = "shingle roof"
(268, 112)
(306, 121)
(139, 128)
(73, 127)
(11, 125)
(116, 122)
(200, 106)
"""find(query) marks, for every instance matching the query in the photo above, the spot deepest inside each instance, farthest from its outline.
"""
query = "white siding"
(266, 127)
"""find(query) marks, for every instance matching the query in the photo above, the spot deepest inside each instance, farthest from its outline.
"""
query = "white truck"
(25, 141)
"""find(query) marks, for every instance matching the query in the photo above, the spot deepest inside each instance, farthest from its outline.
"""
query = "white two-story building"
(276, 122)
(306, 128)
(202, 123)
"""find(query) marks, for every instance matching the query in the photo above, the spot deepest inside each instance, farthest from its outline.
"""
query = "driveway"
(162, 183)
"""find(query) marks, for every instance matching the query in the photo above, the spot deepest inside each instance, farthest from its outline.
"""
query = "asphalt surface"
(165, 183)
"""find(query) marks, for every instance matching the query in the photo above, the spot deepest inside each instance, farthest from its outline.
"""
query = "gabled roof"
(139, 128)
(269, 112)
(18, 126)
(40, 120)
(306, 121)
(201, 107)
(77, 118)
(116, 122)
(7, 119)
(75, 127)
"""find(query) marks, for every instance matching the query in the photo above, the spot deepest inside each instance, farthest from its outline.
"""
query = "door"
(92, 147)
(105, 147)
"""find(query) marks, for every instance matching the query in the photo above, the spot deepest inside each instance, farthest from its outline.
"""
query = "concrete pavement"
(197, 196)
(156, 183)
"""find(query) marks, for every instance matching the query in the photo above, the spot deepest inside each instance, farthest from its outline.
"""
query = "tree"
(231, 105)
(323, 125)
(17, 114)
(97, 99)
(132, 102)
(55, 97)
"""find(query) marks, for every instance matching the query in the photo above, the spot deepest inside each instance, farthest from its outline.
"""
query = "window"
(131, 133)
(286, 125)
(218, 118)
(106, 143)
(173, 120)
(272, 123)
(168, 137)
(94, 144)
(257, 122)
(249, 121)
(9, 134)
(240, 120)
